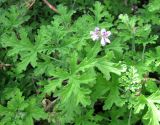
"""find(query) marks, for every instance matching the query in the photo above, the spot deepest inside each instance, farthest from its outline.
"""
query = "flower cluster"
(100, 34)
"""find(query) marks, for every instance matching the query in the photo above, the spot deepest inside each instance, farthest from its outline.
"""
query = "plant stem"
(133, 40)
(129, 119)
(143, 51)
(133, 46)
(73, 4)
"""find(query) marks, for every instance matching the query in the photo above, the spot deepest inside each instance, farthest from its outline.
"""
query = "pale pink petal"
(108, 33)
(103, 41)
(103, 32)
(107, 40)
(97, 29)
(94, 37)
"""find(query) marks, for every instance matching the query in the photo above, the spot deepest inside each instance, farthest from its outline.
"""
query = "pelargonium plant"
(51, 73)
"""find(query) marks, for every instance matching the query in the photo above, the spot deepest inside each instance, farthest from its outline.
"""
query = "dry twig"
(30, 3)
(5, 65)
(50, 6)
(152, 79)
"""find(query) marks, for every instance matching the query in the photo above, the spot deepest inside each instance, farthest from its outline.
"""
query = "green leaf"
(154, 5)
(114, 95)
(59, 73)
(65, 17)
(43, 67)
(124, 18)
(88, 118)
(14, 16)
(3, 110)
(29, 120)
(115, 115)
(155, 97)
(73, 89)
(29, 58)
(115, 46)
(17, 45)
(98, 11)
(107, 67)
(22, 47)
(86, 77)
(89, 61)
(52, 85)
(100, 88)
(82, 96)
(21, 110)
(93, 51)
(153, 113)
(151, 86)
(35, 110)
(139, 104)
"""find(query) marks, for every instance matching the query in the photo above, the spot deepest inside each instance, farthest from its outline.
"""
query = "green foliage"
(13, 17)
(20, 111)
(131, 80)
(152, 103)
(53, 73)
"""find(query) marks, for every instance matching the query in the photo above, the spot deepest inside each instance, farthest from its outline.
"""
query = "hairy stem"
(143, 51)
(130, 115)
(133, 46)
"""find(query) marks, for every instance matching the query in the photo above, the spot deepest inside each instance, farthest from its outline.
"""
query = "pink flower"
(104, 37)
(103, 34)
(95, 34)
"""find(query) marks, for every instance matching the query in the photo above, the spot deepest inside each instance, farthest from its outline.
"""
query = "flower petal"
(108, 33)
(103, 32)
(97, 29)
(94, 37)
(107, 40)
(103, 41)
